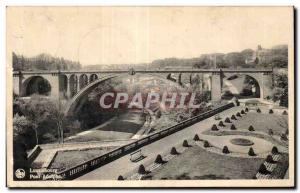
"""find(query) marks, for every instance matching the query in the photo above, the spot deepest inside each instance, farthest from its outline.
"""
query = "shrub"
(225, 150)
(283, 137)
(251, 128)
(214, 127)
(238, 114)
(270, 132)
(251, 152)
(258, 110)
(270, 159)
(263, 169)
(185, 143)
(221, 124)
(227, 120)
(196, 138)
(243, 112)
(120, 177)
(275, 150)
(173, 151)
(142, 169)
(233, 117)
(246, 109)
(287, 131)
(232, 127)
(284, 112)
(206, 144)
(159, 159)
(271, 111)
(48, 137)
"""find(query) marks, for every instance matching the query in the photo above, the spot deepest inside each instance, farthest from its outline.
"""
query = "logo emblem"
(20, 173)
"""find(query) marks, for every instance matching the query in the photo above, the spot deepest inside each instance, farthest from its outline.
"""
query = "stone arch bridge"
(68, 84)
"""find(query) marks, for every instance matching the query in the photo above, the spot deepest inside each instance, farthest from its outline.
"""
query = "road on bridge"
(123, 165)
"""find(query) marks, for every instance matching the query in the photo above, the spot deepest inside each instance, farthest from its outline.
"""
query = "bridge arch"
(72, 104)
(36, 85)
(83, 80)
(251, 86)
(93, 77)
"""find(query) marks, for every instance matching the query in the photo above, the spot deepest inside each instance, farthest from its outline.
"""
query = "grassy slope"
(196, 163)
(67, 159)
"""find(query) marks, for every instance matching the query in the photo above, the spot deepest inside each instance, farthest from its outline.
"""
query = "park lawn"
(70, 158)
(261, 122)
(197, 163)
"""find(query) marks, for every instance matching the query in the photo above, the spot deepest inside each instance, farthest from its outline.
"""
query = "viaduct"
(71, 84)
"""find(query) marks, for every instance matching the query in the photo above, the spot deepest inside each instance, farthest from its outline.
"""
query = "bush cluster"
(196, 138)
(251, 152)
(173, 151)
(221, 124)
(225, 150)
(206, 144)
(232, 127)
(185, 143)
(227, 120)
(214, 128)
(251, 128)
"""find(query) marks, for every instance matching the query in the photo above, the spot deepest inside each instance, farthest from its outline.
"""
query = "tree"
(280, 91)
(21, 127)
(43, 115)
(57, 115)
(35, 110)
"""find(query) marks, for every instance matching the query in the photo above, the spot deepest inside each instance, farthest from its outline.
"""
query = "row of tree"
(276, 57)
(42, 62)
(38, 120)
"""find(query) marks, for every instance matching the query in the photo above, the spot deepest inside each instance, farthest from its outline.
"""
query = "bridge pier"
(267, 85)
(216, 86)
(69, 88)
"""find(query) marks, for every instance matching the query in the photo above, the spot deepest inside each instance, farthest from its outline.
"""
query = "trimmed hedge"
(251, 128)
(263, 169)
(271, 111)
(246, 109)
(196, 138)
(232, 127)
(225, 150)
(238, 114)
(221, 124)
(258, 110)
(173, 151)
(275, 150)
(243, 112)
(284, 112)
(233, 117)
(227, 120)
(206, 144)
(185, 143)
(120, 177)
(159, 159)
(251, 152)
(214, 128)
(142, 169)
(270, 159)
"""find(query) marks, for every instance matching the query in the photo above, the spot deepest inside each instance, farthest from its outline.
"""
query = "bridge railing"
(92, 164)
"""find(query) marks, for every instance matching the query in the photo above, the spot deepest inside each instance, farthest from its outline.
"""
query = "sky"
(127, 35)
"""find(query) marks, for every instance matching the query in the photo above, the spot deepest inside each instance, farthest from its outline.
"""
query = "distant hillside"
(43, 62)
(276, 57)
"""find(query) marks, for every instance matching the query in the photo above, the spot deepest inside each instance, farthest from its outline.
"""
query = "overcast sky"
(113, 35)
